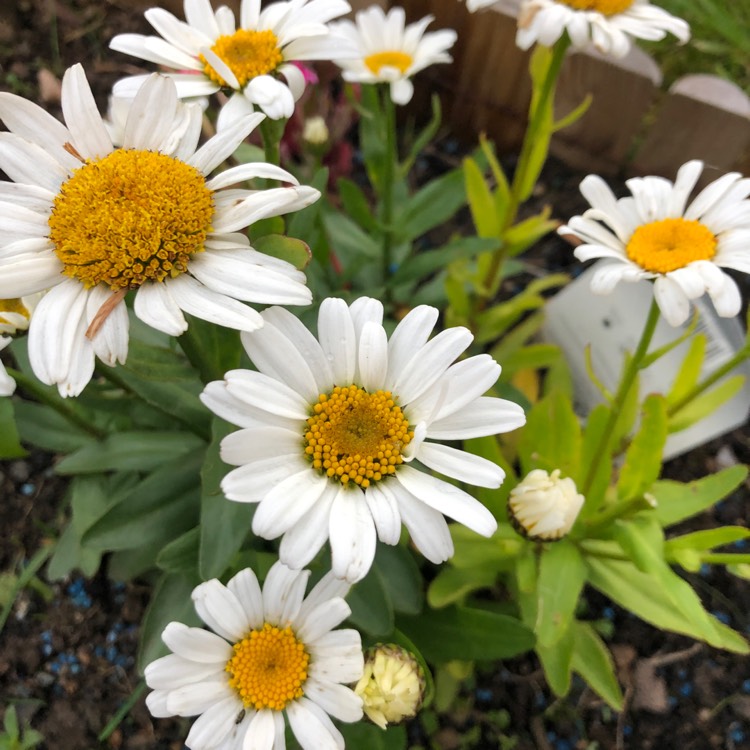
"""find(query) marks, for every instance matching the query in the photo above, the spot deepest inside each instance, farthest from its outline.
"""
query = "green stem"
(628, 378)
(614, 511)
(23, 579)
(386, 192)
(723, 558)
(122, 712)
(536, 121)
(271, 132)
(43, 396)
(714, 377)
(198, 358)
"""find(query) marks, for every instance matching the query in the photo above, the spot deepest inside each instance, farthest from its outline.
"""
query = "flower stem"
(43, 396)
(628, 378)
(271, 132)
(386, 192)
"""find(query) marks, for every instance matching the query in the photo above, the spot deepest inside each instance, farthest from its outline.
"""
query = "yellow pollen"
(396, 59)
(356, 436)
(605, 7)
(268, 668)
(669, 244)
(131, 217)
(247, 54)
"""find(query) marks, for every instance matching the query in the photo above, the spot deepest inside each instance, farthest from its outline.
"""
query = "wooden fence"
(633, 126)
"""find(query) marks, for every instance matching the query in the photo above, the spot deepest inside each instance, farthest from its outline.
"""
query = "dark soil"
(68, 648)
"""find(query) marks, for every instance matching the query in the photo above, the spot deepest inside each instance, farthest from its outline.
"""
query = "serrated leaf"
(562, 575)
(643, 458)
(677, 501)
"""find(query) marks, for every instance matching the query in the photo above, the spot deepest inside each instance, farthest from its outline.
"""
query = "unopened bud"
(544, 506)
(315, 131)
(392, 686)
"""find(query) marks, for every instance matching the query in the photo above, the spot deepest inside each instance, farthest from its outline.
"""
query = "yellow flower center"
(669, 244)
(396, 59)
(605, 7)
(268, 668)
(356, 436)
(130, 217)
(247, 54)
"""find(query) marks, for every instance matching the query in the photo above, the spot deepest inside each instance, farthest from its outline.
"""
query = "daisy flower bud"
(544, 506)
(392, 686)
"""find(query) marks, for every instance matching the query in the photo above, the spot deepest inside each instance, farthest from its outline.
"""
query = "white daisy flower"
(390, 51)
(652, 235)
(254, 59)
(90, 222)
(273, 653)
(14, 317)
(608, 24)
(331, 428)
(544, 506)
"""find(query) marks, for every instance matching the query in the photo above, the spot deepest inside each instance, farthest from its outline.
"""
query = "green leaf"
(158, 509)
(690, 369)
(424, 138)
(451, 585)
(474, 551)
(170, 601)
(224, 524)
(515, 339)
(706, 403)
(356, 204)
(481, 201)
(69, 555)
(433, 204)
(593, 437)
(423, 263)
(348, 240)
(549, 449)
(708, 538)
(372, 609)
(593, 661)
(562, 575)
(364, 735)
(129, 451)
(644, 455)
(575, 115)
(213, 349)
(401, 577)
(677, 501)
(466, 633)
(43, 427)
(533, 357)
(181, 554)
(290, 249)
(557, 661)
(524, 234)
(302, 223)
(10, 441)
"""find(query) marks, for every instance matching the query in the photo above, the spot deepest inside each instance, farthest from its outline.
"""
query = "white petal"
(264, 392)
(233, 111)
(251, 483)
(82, 117)
(261, 732)
(224, 144)
(286, 503)
(673, 303)
(214, 725)
(337, 339)
(173, 671)
(250, 171)
(196, 644)
(373, 356)
(244, 585)
(155, 307)
(283, 591)
(448, 500)
(194, 298)
(461, 465)
(328, 587)
(271, 95)
(110, 343)
(426, 526)
(156, 703)
(336, 700)
(302, 542)
(337, 656)
(312, 727)
(322, 619)
(230, 408)
(152, 114)
(410, 335)
(194, 699)
(352, 535)
(29, 273)
(258, 443)
(219, 608)
(25, 162)
(384, 510)
(484, 416)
